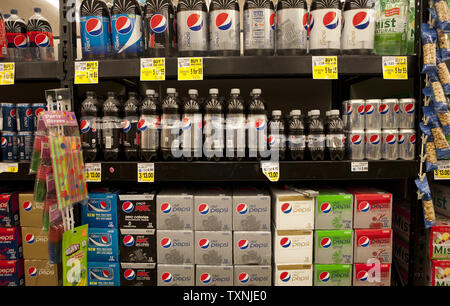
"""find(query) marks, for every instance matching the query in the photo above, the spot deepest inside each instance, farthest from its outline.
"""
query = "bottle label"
(316, 141)
(358, 31)
(40, 39)
(191, 128)
(192, 30)
(297, 142)
(95, 36)
(257, 132)
(335, 141)
(235, 132)
(276, 141)
(126, 33)
(259, 28)
(214, 131)
(224, 30)
(325, 29)
(292, 24)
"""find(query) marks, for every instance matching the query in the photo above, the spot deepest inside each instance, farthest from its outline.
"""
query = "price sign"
(271, 170)
(325, 67)
(9, 167)
(153, 69)
(190, 68)
(146, 172)
(93, 172)
(7, 72)
(443, 172)
(86, 72)
(395, 67)
(360, 166)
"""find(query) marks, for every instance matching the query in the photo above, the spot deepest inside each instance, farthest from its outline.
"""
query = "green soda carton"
(332, 275)
(334, 209)
(333, 246)
(391, 27)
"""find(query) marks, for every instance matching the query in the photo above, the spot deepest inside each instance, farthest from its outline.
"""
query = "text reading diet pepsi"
(250, 296)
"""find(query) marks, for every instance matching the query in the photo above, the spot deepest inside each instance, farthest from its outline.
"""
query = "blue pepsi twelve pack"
(103, 274)
(103, 245)
(100, 210)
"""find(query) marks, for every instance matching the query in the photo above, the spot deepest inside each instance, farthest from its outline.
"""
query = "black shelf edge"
(33, 71)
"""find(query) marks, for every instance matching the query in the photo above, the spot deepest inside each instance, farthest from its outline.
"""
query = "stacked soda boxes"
(372, 221)
(252, 237)
(100, 213)
(175, 237)
(11, 262)
(438, 240)
(380, 129)
(137, 226)
(38, 270)
(19, 122)
(333, 238)
(401, 223)
(293, 224)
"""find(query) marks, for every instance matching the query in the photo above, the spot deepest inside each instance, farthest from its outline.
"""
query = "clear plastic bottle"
(316, 136)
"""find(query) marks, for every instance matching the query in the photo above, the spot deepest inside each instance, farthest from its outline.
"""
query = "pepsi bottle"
(126, 24)
(170, 126)
(149, 127)
(192, 28)
(224, 28)
(40, 37)
(257, 126)
(89, 126)
(325, 27)
(111, 128)
(214, 126)
(276, 141)
(159, 20)
(296, 136)
(16, 33)
(235, 126)
(3, 39)
(358, 31)
(335, 137)
(316, 136)
(259, 27)
(95, 30)
(292, 26)
(191, 127)
(130, 127)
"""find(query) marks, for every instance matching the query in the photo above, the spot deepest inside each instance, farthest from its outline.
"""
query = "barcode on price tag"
(360, 166)
(146, 173)
(184, 62)
(86, 72)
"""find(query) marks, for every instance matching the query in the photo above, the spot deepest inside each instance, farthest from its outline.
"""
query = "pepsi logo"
(244, 278)
(85, 126)
(195, 22)
(123, 25)
(29, 112)
(158, 23)
(390, 139)
(203, 209)
(361, 20)
(203, 243)
(396, 108)
(363, 276)
(363, 241)
(103, 205)
(330, 20)
(12, 113)
(260, 124)
(106, 273)
(409, 108)
(361, 109)
(285, 242)
(285, 276)
(4, 142)
(94, 27)
(324, 276)
(412, 139)
(205, 278)
(374, 139)
(42, 40)
(356, 139)
(364, 206)
(223, 21)
(325, 208)
(325, 242)
(126, 124)
(401, 139)
(272, 21)
(32, 271)
(27, 206)
(29, 238)
(243, 244)
(186, 124)
(349, 110)
(129, 274)
(286, 208)
(242, 209)
(142, 125)
(166, 208)
(128, 240)
(127, 207)
(370, 109)
(166, 243)
(383, 109)
(38, 111)
(271, 140)
(166, 277)
(20, 41)
(305, 22)
(104, 239)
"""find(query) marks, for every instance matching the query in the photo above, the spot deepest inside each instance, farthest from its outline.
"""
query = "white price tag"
(271, 170)
(9, 167)
(443, 172)
(93, 172)
(146, 172)
(360, 166)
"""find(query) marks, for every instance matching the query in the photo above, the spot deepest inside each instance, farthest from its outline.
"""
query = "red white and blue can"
(37, 109)
(407, 144)
(356, 144)
(25, 143)
(373, 144)
(9, 146)
(389, 144)
(25, 117)
(390, 113)
(9, 116)
(407, 113)
(372, 114)
(356, 109)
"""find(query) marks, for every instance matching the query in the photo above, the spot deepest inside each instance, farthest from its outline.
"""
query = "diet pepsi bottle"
(192, 28)
(296, 136)
(159, 21)
(277, 138)
(3, 39)
(191, 127)
(259, 27)
(170, 124)
(89, 126)
(235, 126)
(40, 37)
(16, 33)
(325, 27)
(316, 136)
(95, 30)
(358, 31)
(224, 28)
(126, 24)
(257, 126)
(130, 127)
(111, 128)
(292, 27)
(335, 139)
(214, 126)
(149, 127)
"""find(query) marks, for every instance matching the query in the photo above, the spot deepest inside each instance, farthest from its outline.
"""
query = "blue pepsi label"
(103, 245)
(95, 35)
(126, 33)
(103, 274)
(100, 211)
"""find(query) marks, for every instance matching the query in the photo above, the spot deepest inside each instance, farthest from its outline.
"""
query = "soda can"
(355, 144)
(373, 144)
(407, 113)
(372, 114)
(355, 111)
(25, 117)
(389, 144)
(37, 109)
(9, 146)
(389, 112)
(9, 117)
(25, 143)
(406, 144)
(344, 113)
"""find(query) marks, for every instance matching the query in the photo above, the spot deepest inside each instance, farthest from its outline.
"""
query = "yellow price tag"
(153, 69)
(325, 67)
(443, 172)
(86, 72)
(93, 172)
(190, 68)
(395, 67)
(271, 170)
(146, 173)
(7, 72)
(13, 169)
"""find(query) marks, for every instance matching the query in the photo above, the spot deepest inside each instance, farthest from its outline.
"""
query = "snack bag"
(444, 45)
(427, 202)
(430, 149)
(429, 47)
(75, 256)
(443, 15)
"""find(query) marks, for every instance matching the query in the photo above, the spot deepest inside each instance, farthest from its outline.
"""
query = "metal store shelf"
(37, 71)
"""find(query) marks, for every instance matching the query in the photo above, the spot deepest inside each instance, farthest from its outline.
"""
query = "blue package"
(428, 37)
(103, 274)
(442, 23)
(103, 244)
(100, 210)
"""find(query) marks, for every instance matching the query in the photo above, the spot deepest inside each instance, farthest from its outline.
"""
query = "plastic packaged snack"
(427, 202)
(429, 37)
(74, 257)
